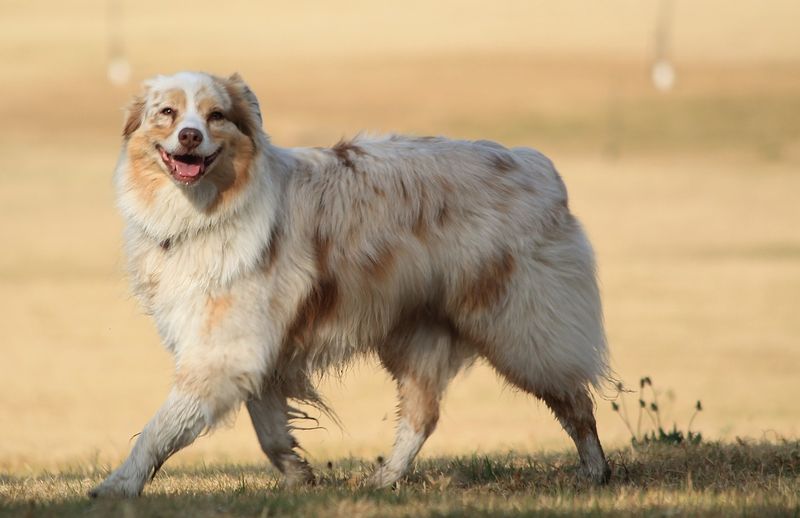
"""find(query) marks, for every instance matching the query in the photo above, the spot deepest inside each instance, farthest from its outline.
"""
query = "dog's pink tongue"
(185, 169)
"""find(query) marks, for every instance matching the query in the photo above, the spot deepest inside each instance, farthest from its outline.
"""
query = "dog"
(265, 266)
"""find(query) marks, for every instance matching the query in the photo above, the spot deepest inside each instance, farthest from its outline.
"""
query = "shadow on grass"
(712, 478)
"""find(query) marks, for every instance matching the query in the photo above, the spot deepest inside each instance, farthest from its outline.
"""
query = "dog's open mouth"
(187, 169)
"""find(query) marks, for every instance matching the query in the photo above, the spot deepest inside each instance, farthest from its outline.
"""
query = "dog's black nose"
(190, 138)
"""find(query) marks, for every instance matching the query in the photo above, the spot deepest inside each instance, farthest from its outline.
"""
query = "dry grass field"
(690, 197)
(710, 480)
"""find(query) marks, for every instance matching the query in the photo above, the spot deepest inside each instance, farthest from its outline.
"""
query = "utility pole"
(119, 68)
(662, 72)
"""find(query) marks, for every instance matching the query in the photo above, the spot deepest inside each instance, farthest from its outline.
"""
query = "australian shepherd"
(264, 266)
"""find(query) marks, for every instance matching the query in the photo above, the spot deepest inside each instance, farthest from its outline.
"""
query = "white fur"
(427, 251)
(406, 446)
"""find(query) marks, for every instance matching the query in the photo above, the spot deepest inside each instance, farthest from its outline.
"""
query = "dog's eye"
(167, 111)
(215, 116)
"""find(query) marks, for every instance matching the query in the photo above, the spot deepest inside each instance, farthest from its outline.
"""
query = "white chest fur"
(176, 277)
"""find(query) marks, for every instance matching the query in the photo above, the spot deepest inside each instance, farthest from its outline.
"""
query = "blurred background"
(676, 125)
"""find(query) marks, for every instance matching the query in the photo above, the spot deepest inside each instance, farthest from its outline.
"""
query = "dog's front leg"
(270, 416)
(176, 424)
(209, 383)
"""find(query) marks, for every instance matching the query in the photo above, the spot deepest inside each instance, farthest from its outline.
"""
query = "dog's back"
(471, 233)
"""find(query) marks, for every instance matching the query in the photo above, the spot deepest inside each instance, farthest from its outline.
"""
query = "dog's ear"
(245, 112)
(134, 114)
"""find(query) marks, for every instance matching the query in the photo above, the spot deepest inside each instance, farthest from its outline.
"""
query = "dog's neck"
(178, 213)
(227, 244)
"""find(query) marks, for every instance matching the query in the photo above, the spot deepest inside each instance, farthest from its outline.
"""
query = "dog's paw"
(599, 474)
(299, 478)
(382, 477)
(116, 486)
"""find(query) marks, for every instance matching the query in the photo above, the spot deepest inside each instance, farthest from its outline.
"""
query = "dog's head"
(190, 124)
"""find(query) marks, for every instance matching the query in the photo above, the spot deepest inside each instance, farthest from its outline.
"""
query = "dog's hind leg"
(543, 332)
(565, 395)
(270, 417)
(422, 364)
(418, 412)
(573, 407)
(575, 413)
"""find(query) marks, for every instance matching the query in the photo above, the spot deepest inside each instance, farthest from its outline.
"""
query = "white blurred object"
(662, 72)
(119, 68)
(663, 75)
(119, 71)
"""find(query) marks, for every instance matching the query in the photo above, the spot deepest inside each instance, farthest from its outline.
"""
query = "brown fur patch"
(173, 98)
(321, 302)
(419, 394)
(420, 226)
(342, 150)
(233, 175)
(575, 412)
(419, 403)
(503, 162)
(380, 266)
(134, 116)
(318, 307)
(393, 354)
(271, 255)
(447, 186)
(244, 111)
(161, 125)
(322, 253)
(145, 285)
(490, 284)
(502, 206)
(442, 214)
(208, 102)
(216, 309)
(404, 191)
(201, 381)
(144, 172)
(190, 382)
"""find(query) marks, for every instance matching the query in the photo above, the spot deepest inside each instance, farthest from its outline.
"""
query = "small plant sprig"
(657, 434)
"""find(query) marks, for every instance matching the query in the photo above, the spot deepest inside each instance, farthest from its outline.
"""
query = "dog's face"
(191, 126)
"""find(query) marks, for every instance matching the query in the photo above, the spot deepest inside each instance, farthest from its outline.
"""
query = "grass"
(742, 478)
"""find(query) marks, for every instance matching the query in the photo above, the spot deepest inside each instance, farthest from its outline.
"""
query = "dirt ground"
(690, 198)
